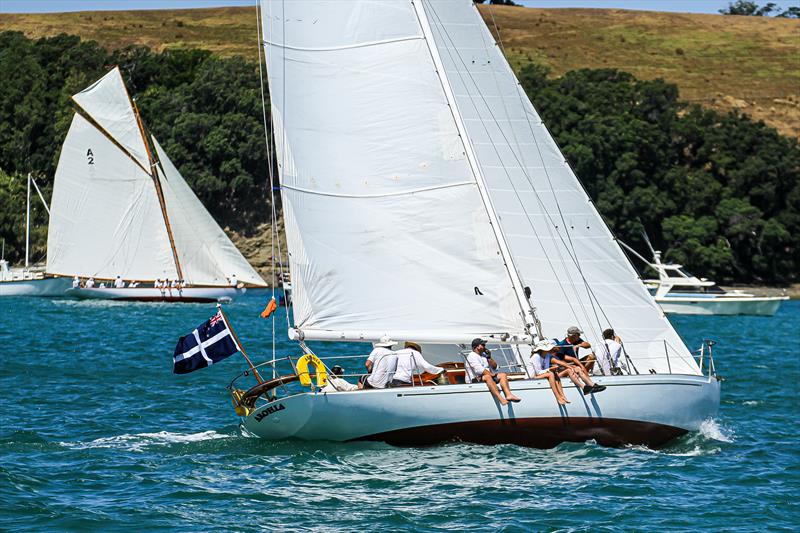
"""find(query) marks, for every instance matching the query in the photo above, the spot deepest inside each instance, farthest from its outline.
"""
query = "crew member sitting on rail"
(118, 283)
(409, 362)
(90, 283)
(541, 366)
(76, 282)
(380, 348)
(382, 364)
(234, 281)
(481, 367)
(568, 349)
(335, 383)
(609, 352)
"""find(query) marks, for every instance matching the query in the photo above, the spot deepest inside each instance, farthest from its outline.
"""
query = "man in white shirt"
(609, 353)
(481, 367)
(90, 283)
(118, 283)
(381, 364)
(234, 280)
(335, 383)
(76, 282)
(410, 362)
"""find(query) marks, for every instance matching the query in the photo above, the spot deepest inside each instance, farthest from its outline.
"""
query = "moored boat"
(432, 205)
(680, 292)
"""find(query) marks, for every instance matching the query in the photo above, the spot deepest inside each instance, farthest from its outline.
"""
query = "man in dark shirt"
(568, 348)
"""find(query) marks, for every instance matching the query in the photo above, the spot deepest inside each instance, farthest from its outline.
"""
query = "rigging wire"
(444, 32)
(590, 293)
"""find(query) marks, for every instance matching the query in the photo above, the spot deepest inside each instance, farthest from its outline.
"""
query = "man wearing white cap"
(381, 364)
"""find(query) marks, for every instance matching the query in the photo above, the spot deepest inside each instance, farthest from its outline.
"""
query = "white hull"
(35, 287)
(151, 294)
(648, 409)
(723, 305)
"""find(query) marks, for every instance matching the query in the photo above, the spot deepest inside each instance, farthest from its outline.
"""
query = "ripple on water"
(97, 434)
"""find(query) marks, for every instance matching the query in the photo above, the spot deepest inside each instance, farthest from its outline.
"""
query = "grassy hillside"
(749, 63)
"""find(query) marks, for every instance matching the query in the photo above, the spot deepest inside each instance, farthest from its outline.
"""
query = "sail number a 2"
(90, 156)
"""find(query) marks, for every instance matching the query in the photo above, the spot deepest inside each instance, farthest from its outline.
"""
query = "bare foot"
(502, 401)
(513, 398)
(562, 402)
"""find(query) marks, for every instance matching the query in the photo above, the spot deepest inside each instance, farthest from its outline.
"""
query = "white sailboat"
(425, 201)
(121, 208)
(29, 280)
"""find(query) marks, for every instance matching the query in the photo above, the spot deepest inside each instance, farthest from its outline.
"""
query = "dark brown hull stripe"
(160, 299)
(535, 432)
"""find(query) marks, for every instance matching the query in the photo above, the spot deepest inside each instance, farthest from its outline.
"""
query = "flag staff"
(239, 344)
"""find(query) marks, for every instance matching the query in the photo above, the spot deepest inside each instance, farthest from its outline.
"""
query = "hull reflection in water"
(648, 410)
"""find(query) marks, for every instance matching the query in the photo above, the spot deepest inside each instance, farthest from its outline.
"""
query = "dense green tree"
(718, 193)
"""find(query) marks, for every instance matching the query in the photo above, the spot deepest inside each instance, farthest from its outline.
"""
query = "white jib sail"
(559, 243)
(105, 219)
(386, 228)
(206, 254)
(109, 105)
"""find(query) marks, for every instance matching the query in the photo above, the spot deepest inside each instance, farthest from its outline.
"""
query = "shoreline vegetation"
(716, 192)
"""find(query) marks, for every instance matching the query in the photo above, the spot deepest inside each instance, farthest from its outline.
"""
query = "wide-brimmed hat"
(413, 346)
(544, 346)
(385, 342)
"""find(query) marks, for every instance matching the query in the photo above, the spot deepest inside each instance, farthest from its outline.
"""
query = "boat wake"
(141, 441)
(711, 429)
(705, 441)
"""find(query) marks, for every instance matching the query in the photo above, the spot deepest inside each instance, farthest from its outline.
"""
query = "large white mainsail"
(559, 243)
(107, 219)
(206, 254)
(384, 166)
(386, 228)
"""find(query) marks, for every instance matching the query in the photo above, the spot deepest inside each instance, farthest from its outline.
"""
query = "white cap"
(544, 346)
(385, 342)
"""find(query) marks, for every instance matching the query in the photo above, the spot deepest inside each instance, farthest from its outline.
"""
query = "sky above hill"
(44, 6)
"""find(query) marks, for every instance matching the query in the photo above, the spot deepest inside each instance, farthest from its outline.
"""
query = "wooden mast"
(159, 191)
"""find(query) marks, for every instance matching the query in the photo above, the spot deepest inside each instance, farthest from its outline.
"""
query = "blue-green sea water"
(96, 433)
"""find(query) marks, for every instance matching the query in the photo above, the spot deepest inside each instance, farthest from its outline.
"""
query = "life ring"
(319, 368)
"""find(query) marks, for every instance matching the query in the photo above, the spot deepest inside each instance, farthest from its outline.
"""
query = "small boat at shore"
(428, 206)
(680, 292)
(29, 280)
(124, 217)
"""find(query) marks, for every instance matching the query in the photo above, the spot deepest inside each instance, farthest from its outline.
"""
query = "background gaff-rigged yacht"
(425, 200)
(121, 208)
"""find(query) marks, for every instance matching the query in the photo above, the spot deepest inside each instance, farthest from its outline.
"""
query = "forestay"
(386, 228)
(206, 254)
(559, 243)
(105, 219)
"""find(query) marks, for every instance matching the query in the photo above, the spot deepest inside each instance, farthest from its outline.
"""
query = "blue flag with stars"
(211, 342)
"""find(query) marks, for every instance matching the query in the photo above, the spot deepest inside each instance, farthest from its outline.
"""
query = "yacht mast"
(28, 222)
(157, 182)
(528, 312)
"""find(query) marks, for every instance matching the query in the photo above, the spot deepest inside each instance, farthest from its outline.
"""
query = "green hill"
(723, 62)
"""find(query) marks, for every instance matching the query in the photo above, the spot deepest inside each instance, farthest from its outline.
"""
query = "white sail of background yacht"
(424, 200)
(120, 210)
